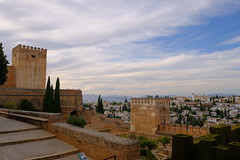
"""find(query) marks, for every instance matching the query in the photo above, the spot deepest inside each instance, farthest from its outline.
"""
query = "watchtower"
(29, 67)
(149, 115)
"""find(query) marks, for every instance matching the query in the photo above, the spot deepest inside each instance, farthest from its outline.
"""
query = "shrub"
(9, 105)
(76, 121)
(25, 105)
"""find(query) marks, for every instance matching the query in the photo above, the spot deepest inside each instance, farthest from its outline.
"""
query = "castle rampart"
(148, 115)
(71, 98)
(151, 116)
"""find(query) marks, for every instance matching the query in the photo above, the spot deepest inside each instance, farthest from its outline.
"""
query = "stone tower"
(149, 115)
(29, 67)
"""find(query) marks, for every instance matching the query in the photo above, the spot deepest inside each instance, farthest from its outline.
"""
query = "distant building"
(203, 99)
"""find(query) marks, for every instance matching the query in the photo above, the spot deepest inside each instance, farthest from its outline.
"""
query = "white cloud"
(92, 44)
(235, 40)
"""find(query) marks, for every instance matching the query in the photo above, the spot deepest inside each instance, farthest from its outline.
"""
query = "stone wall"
(148, 115)
(98, 145)
(35, 96)
(151, 116)
(100, 121)
(30, 65)
(10, 78)
(52, 117)
(177, 128)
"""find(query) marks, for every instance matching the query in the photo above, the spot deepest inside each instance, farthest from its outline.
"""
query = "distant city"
(197, 110)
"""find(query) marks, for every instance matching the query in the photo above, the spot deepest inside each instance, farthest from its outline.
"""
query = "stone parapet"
(98, 145)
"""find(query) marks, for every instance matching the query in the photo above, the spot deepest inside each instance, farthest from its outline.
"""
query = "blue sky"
(133, 47)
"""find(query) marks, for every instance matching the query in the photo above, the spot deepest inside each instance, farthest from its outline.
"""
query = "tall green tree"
(57, 107)
(50, 101)
(3, 66)
(99, 108)
(47, 94)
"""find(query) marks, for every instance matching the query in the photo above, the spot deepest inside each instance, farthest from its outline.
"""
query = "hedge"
(182, 147)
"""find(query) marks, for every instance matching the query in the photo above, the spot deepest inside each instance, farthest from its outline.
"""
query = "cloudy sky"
(131, 47)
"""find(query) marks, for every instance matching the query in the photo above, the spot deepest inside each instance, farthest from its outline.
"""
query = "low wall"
(177, 128)
(98, 121)
(52, 117)
(35, 96)
(98, 145)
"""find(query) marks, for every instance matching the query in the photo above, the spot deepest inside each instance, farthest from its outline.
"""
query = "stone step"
(24, 136)
(72, 157)
(19, 130)
(10, 126)
(55, 155)
(45, 149)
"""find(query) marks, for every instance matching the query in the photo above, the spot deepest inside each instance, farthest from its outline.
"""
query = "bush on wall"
(76, 121)
(25, 105)
(8, 105)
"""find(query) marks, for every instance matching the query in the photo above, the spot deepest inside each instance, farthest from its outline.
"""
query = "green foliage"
(57, 107)
(146, 143)
(99, 108)
(9, 105)
(77, 121)
(235, 134)
(26, 105)
(222, 143)
(182, 147)
(234, 150)
(51, 101)
(46, 96)
(224, 131)
(147, 154)
(221, 152)
(3, 66)
(164, 140)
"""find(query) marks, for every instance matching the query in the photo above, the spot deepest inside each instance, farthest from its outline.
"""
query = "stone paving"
(19, 140)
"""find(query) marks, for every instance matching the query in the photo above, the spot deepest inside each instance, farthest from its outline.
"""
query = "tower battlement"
(149, 101)
(25, 48)
(29, 66)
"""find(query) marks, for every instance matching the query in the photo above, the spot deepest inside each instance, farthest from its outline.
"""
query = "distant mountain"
(110, 98)
(220, 94)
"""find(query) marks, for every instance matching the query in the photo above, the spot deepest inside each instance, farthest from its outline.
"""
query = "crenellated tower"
(149, 115)
(29, 67)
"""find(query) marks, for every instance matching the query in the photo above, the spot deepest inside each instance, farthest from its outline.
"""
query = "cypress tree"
(57, 107)
(50, 101)
(46, 97)
(3, 66)
(99, 108)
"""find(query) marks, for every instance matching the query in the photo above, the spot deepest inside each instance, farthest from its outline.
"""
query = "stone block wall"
(176, 128)
(35, 96)
(98, 145)
(148, 115)
(10, 78)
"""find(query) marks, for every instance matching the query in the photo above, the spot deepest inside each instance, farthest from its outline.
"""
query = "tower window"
(33, 56)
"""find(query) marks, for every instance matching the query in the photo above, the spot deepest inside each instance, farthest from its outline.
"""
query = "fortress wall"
(148, 115)
(97, 144)
(100, 121)
(176, 128)
(35, 96)
(10, 78)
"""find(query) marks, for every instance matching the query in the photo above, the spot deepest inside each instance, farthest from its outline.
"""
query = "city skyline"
(131, 48)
